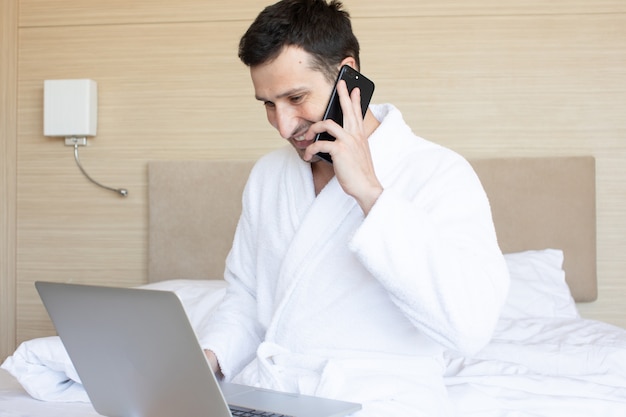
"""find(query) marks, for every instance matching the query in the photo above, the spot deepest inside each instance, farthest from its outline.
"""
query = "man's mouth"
(300, 141)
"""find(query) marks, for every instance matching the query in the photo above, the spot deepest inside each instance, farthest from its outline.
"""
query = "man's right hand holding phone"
(350, 152)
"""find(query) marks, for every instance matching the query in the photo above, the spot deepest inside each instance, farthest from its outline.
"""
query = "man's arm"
(437, 254)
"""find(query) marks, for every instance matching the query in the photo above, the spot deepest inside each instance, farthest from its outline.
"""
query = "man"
(349, 280)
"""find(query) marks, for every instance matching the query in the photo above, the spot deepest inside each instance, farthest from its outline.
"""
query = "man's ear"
(350, 61)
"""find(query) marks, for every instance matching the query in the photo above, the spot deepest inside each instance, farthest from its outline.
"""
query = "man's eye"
(268, 104)
(296, 99)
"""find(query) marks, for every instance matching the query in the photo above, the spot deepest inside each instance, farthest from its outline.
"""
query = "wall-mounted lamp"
(71, 112)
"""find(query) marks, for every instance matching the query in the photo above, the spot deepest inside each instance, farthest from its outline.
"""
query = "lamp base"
(75, 141)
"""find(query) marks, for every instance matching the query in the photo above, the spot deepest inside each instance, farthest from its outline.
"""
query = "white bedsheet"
(543, 367)
(15, 402)
(533, 367)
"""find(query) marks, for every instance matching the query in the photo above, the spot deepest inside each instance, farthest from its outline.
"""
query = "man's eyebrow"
(297, 90)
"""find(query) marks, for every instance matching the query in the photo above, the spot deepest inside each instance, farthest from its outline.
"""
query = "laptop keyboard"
(247, 412)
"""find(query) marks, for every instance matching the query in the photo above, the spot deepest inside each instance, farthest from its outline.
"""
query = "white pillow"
(199, 297)
(538, 287)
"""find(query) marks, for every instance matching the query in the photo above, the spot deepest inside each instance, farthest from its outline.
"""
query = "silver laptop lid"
(134, 351)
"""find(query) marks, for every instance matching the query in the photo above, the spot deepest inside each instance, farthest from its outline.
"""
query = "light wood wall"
(484, 77)
(8, 141)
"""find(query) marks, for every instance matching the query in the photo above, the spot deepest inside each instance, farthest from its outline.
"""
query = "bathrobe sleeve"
(432, 245)
(234, 331)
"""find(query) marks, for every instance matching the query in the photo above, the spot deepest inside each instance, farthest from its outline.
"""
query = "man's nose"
(286, 122)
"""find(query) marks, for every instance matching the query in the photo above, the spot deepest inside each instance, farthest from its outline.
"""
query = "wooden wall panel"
(484, 77)
(173, 91)
(505, 84)
(480, 8)
(45, 13)
(8, 173)
(97, 12)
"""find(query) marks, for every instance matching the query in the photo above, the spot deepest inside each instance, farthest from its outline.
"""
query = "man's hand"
(352, 160)
(215, 367)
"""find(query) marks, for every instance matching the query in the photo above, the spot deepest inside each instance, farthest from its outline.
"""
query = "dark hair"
(322, 29)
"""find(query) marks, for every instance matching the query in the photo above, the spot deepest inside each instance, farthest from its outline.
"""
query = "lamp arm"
(121, 191)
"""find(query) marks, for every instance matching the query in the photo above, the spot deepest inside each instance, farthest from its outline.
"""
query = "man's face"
(294, 95)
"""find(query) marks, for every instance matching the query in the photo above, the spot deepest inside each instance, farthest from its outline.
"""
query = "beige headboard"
(537, 203)
(541, 203)
(193, 211)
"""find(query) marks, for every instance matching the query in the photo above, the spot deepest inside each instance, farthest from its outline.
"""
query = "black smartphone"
(333, 111)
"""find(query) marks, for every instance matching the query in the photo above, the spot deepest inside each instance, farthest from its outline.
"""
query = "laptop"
(138, 356)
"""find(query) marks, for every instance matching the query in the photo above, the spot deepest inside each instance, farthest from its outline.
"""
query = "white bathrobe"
(323, 300)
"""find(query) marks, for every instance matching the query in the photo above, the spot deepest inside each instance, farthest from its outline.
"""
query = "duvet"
(543, 360)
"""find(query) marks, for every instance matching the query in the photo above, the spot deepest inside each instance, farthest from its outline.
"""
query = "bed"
(544, 359)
